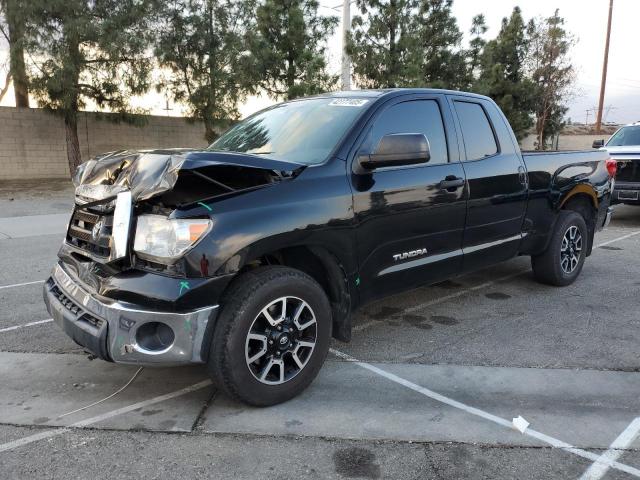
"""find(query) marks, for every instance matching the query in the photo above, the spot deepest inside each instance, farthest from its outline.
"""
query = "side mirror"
(598, 144)
(396, 149)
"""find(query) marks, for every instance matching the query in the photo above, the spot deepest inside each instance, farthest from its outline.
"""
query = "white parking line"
(602, 464)
(436, 301)
(30, 324)
(554, 442)
(624, 237)
(99, 418)
(20, 284)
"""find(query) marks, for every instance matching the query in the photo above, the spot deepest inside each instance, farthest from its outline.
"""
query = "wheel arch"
(584, 202)
(582, 192)
(321, 264)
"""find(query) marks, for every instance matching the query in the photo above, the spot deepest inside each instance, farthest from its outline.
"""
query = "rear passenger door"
(497, 182)
(410, 218)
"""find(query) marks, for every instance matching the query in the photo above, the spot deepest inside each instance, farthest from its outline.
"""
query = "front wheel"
(562, 261)
(272, 336)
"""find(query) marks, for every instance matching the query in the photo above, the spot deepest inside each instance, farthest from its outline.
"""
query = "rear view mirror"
(598, 144)
(397, 149)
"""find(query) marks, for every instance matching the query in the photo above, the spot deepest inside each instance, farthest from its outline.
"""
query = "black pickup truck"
(250, 255)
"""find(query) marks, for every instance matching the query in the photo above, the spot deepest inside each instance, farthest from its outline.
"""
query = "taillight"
(612, 166)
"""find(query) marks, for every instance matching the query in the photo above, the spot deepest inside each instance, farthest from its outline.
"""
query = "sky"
(585, 19)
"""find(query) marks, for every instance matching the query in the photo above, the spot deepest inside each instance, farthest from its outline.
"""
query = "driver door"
(410, 219)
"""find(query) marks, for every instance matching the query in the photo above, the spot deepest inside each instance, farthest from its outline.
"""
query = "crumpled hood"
(150, 173)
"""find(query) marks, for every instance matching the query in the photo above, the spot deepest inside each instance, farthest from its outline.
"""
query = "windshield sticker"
(348, 102)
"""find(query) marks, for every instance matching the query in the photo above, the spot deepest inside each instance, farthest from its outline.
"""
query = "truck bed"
(569, 156)
(552, 162)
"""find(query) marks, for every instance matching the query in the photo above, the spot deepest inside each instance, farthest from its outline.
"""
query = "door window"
(418, 116)
(479, 141)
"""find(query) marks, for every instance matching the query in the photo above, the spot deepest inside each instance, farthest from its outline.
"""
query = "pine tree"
(12, 24)
(201, 43)
(553, 74)
(289, 47)
(88, 51)
(503, 73)
(382, 41)
(476, 45)
(437, 54)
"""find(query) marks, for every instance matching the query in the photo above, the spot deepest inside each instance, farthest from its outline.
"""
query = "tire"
(263, 382)
(561, 263)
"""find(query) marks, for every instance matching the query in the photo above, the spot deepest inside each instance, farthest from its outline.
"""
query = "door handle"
(522, 175)
(451, 183)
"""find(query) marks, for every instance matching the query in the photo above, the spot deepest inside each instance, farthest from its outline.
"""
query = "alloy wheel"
(571, 249)
(281, 340)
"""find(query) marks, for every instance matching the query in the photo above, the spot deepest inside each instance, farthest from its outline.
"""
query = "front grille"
(65, 301)
(74, 308)
(628, 171)
(91, 232)
(90, 319)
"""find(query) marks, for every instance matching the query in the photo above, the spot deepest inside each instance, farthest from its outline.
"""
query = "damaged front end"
(106, 293)
(180, 177)
(112, 188)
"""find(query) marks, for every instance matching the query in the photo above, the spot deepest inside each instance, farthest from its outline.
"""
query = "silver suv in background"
(624, 148)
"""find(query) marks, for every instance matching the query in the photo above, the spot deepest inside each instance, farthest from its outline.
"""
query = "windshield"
(304, 131)
(626, 136)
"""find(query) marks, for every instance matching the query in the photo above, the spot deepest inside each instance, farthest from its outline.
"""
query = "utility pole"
(604, 70)
(167, 108)
(346, 61)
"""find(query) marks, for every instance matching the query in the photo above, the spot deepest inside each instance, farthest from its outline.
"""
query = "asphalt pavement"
(428, 387)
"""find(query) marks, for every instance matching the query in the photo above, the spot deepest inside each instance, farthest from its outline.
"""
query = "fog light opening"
(155, 336)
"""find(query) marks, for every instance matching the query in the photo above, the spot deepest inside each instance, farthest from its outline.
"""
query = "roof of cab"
(391, 92)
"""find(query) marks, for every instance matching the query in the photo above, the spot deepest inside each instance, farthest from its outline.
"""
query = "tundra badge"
(413, 253)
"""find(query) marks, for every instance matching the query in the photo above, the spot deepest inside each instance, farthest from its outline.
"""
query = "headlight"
(163, 240)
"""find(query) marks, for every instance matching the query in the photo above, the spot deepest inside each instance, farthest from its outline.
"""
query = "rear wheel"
(272, 336)
(562, 261)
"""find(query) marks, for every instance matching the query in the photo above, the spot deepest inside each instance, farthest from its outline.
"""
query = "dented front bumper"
(123, 333)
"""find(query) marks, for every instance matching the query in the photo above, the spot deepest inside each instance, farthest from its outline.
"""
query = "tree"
(382, 42)
(88, 51)
(201, 42)
(12, 29)
(503, 73)
(288, 48)
(437, 54)
(553, 74)
(476, 45)
(7, 83)
(6, 73)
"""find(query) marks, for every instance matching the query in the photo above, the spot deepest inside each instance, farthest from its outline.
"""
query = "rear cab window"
(479, 139)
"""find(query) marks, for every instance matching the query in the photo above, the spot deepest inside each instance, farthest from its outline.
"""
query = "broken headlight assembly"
(164, 240)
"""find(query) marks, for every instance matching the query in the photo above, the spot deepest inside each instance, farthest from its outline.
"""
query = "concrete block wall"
(32, 141)
(31, 145)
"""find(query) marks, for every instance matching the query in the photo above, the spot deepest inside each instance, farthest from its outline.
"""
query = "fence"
(32, 141)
